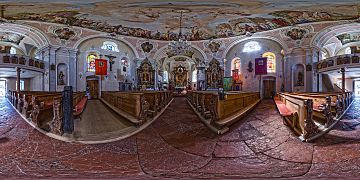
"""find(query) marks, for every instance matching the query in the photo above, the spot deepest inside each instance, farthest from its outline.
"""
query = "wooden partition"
(218, 114)
(311, 115)
(137, 107)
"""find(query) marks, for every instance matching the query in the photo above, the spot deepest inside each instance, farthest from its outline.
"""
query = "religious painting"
(349, 37)
(181, 76)
(234, 22)
(11, 37)
(228, 83)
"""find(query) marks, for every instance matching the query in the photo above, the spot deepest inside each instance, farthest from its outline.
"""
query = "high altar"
(214, 75)
(180, 76)
(146, 75)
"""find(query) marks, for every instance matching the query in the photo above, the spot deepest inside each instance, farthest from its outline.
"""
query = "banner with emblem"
(260, 66)
(100, 67)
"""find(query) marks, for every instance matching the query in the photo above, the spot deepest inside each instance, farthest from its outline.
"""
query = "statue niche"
(180, 76)
(214, 75)
(146, 74)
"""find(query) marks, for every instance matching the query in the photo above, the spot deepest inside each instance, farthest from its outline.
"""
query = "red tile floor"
(178, 145)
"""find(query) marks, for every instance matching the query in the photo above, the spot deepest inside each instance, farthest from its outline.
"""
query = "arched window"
(12, 50)
(90, 59)
(194, 76)
(271, 61)
(110, 46)
(348, 50)
(251, 46)
(236, 64)
(166, 76)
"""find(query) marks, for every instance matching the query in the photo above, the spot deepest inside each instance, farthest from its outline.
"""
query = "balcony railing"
(14, 60)
(337, 62)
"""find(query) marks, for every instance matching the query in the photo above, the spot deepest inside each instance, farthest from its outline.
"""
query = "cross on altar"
(111, 60)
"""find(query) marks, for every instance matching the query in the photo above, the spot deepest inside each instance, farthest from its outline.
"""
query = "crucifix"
(111, 60)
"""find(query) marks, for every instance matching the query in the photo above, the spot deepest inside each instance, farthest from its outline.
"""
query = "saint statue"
(61, 78)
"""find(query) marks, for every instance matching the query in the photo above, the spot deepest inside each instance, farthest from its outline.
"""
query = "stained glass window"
(251, 46)
(271, 62)
(236, 64)
(166, 76)
(91, 62)
(194, 76)
(12, 50)
(348, 50)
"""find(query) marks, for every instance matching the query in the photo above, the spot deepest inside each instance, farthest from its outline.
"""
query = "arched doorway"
(92, 87)
(269, 87)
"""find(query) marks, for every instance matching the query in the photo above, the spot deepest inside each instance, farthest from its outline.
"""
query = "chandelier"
(181, 46)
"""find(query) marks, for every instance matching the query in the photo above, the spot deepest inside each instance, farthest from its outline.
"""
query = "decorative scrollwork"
(213, 109)
(56, 123)
(310, 129)
(327, 112)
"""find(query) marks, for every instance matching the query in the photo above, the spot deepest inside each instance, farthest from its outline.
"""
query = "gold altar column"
(18, 70)
(342, 70)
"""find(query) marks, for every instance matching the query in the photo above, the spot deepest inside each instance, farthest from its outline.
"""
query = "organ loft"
(179, 90)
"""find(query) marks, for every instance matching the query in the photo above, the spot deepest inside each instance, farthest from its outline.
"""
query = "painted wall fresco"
(349, 37)
(10, 37)
(202, 19)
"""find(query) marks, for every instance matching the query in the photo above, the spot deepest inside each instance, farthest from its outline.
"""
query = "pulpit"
(146, 74)
(214, 75)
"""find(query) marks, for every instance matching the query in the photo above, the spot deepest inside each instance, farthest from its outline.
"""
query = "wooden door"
(269, 88)
(93, 88)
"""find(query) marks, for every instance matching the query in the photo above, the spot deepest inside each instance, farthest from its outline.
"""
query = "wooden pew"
(38, 106)
(137, 106)
(79, 103)
(218, 114)
(311, 120)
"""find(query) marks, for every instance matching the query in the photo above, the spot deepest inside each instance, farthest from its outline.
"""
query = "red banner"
(100, 67)
(260, 66)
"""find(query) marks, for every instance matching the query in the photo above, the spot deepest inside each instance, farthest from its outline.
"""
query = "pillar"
(342, 70)
(72, 74)
(18, 72)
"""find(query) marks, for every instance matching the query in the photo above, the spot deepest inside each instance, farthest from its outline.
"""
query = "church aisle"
(98, 121)
(178, 145)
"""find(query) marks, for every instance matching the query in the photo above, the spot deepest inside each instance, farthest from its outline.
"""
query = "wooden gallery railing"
(311, 115)
(43, 109)
(137, 107)
(218, 114)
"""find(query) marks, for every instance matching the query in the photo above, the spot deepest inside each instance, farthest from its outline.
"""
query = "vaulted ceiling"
(203, 19)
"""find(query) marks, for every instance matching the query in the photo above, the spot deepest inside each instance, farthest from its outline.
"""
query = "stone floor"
(177, 145)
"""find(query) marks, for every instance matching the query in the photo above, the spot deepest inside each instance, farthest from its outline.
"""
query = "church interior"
(156, 89)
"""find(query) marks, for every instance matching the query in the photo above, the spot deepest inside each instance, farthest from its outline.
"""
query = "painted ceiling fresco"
(203, 19)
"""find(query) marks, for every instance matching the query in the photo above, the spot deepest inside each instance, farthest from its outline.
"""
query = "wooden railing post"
(310, 129)
(327, 111)
(56, 123)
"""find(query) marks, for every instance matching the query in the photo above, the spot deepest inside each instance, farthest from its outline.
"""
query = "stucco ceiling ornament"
(146, 47)
(64, 34)
(213, 47)
(297, 33)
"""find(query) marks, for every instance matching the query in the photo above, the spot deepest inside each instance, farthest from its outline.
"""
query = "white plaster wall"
(250, 81)
(109, 83)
